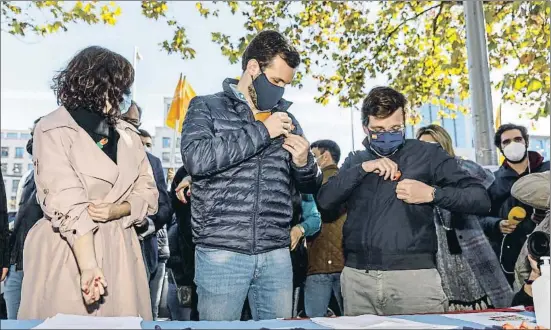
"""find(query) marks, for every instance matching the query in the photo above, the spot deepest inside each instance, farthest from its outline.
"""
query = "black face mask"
(267, 94)
(30, 146)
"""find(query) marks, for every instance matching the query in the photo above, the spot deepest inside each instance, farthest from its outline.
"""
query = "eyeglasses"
(394, 129)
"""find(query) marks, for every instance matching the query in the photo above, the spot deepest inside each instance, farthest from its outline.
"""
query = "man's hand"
(278, 124)
(108, 211)
(4, 274)
(382, 166)
(414, 192)
(170, 174)
(296, 235)
(184, 185)
(507, 227)
(298, 147)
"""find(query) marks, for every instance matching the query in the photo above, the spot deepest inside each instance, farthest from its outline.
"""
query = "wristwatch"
(529, 282)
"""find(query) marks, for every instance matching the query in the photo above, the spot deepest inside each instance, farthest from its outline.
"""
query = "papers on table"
(495, 318)
(374, 322)
(64, 321)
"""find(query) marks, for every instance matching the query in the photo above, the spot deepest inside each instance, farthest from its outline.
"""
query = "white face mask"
(515, 151)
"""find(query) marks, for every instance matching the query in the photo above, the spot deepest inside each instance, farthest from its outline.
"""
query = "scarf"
(472, 279)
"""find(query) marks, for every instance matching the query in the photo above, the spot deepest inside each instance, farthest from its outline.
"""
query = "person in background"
(471, 274)
(4, 232)
(532, 190)
(4, 236)
(158, 249)
(94, 184)
(310, 221)
(325, 256)
(525, 296)
(390, 189)
(242, 149)
(305, 223)
(182, 256)
(153, 236)
(508, 237)
(29, 212)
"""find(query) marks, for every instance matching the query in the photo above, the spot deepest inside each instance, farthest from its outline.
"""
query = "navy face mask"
(267, 94)
(385, 143)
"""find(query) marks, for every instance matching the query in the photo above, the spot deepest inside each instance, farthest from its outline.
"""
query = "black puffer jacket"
(241, 197)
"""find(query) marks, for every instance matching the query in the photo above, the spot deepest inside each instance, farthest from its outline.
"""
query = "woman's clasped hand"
(93, 285)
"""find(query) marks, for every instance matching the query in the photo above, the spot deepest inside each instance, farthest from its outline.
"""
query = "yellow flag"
(501, 158)
(180, 103)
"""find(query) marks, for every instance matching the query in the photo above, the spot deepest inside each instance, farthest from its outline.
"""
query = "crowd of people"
(259, 223)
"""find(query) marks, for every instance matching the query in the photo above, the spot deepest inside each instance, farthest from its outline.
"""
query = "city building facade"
(15, 161)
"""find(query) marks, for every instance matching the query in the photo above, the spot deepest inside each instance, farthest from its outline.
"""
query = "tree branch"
(435, 22)
(380, 48)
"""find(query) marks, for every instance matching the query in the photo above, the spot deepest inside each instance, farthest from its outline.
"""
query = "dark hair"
(137, 107)
(37, 120)
(92, 78)
(328, 145)
(509, 127)
(265, 46)
(144, 133)
(382, 102)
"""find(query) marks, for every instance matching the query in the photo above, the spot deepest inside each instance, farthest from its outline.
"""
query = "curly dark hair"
(509, 127)
(382, 102)
(265, 46)
(92, 78)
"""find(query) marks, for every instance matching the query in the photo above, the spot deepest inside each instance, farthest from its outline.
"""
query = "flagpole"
(174, 139)
(134, 64)
(175, 136)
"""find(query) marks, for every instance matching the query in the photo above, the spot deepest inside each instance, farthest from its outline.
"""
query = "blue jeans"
(225, 279)
(156, 288)
(317, 293)
(12, 291)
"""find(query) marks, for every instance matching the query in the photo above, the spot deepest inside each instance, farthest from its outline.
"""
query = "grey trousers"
(392, 292)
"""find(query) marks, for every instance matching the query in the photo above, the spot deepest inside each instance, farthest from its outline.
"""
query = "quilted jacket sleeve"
(205, 153)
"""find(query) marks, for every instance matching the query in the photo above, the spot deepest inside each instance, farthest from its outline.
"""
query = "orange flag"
(180, 103)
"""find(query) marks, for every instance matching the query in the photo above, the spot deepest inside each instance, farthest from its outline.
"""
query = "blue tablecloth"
(270, 324)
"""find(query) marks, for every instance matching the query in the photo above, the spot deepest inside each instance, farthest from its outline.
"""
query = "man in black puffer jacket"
(242, 149)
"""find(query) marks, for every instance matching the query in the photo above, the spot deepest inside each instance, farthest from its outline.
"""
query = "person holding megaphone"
(511, 220)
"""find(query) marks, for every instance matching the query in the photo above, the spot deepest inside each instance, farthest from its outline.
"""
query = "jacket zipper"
(259, 162)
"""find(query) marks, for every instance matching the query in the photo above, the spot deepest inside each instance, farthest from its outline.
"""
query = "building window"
(25, 136)
(5, 151)
(12, 136)
(166, 142)
(30, 166)
(17, 168)
(178, 140)
(166, 156)
(14, 185)
(4, 167)
(19, 152)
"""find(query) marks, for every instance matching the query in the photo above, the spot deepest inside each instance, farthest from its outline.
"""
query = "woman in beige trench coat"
(94, 184)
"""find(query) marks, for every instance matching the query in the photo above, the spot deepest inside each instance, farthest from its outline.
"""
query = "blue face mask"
(124, 106)
(267, 94)
(386, 143)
